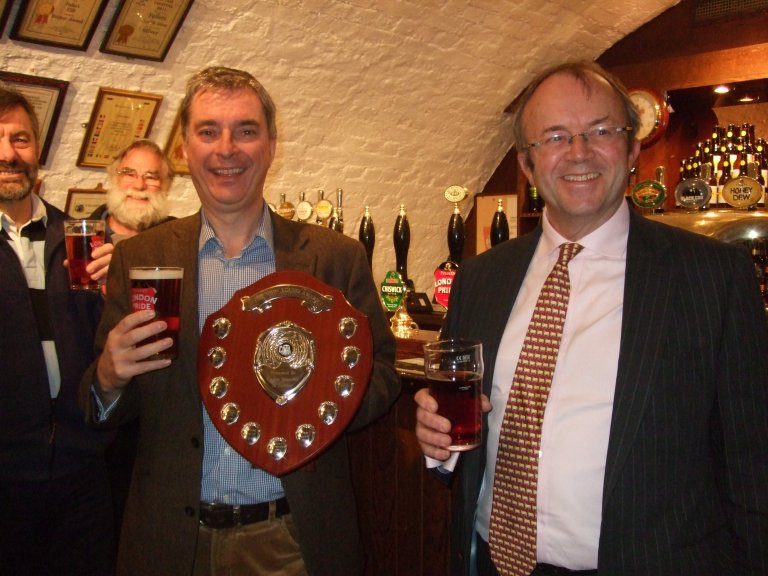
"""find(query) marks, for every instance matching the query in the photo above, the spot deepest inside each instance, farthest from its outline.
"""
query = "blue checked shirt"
(229, 478)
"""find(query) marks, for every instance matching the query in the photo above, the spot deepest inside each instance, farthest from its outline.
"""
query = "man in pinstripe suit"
(654, 443)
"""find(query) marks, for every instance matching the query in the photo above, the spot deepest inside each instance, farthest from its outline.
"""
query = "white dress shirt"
(577, 419)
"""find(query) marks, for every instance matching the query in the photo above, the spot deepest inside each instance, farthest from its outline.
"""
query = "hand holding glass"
(80, 238)
(159, 288)
(454, 371)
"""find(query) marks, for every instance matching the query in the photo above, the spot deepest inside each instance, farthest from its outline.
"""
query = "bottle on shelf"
(535, 202)
(725, 176)
(661, 177)
(333, 222)
(499, 225)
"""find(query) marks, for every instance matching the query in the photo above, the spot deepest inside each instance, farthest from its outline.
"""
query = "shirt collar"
(609, 240)
(38, 213)
(264, 231)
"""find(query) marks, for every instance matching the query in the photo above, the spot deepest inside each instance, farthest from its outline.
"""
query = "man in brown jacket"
(183, 464)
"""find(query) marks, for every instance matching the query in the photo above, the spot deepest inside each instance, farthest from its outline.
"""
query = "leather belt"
(549, 570)
(215, 515)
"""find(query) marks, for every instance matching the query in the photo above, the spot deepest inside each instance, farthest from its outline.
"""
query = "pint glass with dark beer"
(159, 288)
(81, 237)
(454, 371)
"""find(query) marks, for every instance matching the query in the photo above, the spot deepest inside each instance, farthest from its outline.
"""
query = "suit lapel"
(290, 241)
(647, 298)
(503, 294)
(183, 243)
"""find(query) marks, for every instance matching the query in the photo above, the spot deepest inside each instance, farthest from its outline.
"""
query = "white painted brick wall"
(392, 100)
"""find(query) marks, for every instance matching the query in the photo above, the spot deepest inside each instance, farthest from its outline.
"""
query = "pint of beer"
(81, 237)
(454, 371)
(159, 288)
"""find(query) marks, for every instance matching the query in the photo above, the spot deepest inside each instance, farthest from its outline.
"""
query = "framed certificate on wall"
(81, 202)
(46, 96)
(145, 28)
(67, 24)
(173, 148)
(118, 118)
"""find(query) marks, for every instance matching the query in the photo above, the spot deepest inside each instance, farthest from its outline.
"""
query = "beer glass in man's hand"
(81, 237)
(158, 288)
(454, 371)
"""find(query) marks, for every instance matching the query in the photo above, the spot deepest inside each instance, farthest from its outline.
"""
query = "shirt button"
(227, 451)
(225, 498)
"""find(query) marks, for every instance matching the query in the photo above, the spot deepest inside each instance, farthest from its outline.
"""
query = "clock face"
(653, 115)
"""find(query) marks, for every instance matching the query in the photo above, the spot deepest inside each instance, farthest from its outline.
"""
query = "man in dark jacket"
(55, 516)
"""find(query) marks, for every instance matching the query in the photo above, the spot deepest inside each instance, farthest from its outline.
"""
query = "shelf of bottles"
(730, 169)
(732, 152)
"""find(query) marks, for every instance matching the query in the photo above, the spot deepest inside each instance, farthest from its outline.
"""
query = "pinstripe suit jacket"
(686, 479)
(160, 527)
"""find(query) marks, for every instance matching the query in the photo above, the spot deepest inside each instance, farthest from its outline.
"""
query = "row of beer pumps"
(398, 293)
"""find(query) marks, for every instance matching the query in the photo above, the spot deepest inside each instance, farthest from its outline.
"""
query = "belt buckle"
(236, 515)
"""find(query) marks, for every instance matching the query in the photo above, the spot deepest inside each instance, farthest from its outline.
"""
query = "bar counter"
(404, 510)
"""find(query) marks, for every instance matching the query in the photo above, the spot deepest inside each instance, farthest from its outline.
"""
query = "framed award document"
(46, 96)
(173, 148)
(81, 202)
(145, 28)
(118, 118)
(67, 24)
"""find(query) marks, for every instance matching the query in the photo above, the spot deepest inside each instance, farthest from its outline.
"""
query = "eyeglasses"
(599, 136)
(150, 178)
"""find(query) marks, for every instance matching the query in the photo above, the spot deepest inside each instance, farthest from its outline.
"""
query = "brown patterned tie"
(513, 516)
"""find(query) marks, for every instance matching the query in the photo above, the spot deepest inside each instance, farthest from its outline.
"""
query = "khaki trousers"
(268, 548)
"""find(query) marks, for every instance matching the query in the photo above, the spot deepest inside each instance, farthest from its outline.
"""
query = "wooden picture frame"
(118, 118)
(173, 148)
(5, 10)
(134, 34)
(46, 95)
(40, 21)
(81, 202)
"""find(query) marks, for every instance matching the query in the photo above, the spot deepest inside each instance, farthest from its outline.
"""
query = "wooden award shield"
(283, 368)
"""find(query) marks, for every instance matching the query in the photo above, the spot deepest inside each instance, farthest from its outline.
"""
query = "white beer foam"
(156, 273)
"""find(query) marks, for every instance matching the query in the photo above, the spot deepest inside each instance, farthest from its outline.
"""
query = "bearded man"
(137, 197)
(55, 517)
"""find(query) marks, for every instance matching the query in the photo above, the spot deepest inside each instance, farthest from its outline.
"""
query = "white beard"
(137, 217)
